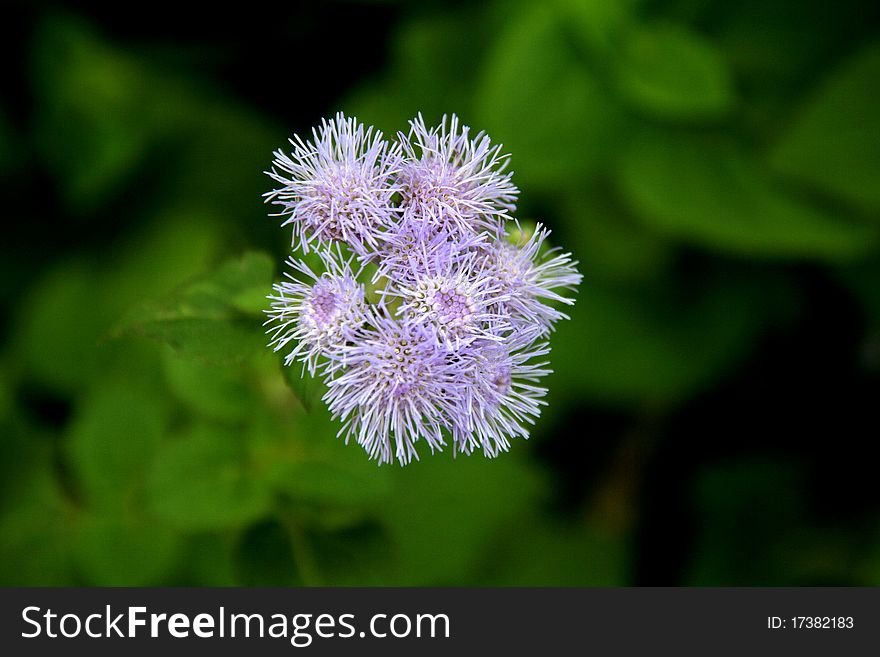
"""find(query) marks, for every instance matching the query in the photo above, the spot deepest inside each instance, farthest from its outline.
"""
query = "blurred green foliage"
(649, 135)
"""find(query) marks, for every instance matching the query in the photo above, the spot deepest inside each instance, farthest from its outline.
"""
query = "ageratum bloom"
(338, 187)
(395, 390)
(452, 180)
(427, 320)
(531, 280)
(503, 395)
(455, 297)
(413, 248)
(317, 315)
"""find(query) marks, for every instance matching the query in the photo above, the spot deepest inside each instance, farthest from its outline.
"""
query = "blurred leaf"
(201, 481)
(212, 339)
(205, 319)
(672, 72)
(6, 395)
(862, 280)
(264, 557)
(430, 71)
(237, 282)
(59, 325)
(35, 533)
(363, 555)
(94, 111)
(658, 345)
(599, 24)
(109, 111)
(112, 441)
(55, 337)
(303, 460)
(545, 553)
(834, 142)
(219, 156)
(548, 109)
(752, 528)
(710, 193)
(172, 247)
(347, 484)
(451, 511)
(609, 244)
(308, 389)
(216, 392)
(124, 551)
(778, 45)
(210, 560)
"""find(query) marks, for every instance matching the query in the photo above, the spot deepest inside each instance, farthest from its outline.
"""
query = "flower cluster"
(425, 306)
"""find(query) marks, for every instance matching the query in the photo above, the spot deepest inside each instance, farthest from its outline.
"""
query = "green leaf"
(60, 343)
(657, 344)
(54, 337)
(202, 481)
(430, 70)
(264, 557)
(238, 282)
(172, 248)
(833, 142)
(124, 551)
(35, 532)
(547, 108)
(213, 340)
(209, 560)
(93, 108)
(307, 388)
(708, 192)
(214, 391)
(301, 458)
(112, 441)
(599, 24)
(349, 483)
(671, 72)
(362, 555)
(213, 318)
(448, 513)
(110, 111)
(570, 556)
(609, 244)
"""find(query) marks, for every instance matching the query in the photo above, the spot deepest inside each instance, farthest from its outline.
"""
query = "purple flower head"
(414, 247)
(453, 296)
(338, 187)
(529, 276)
(451, 180)
(447, 342)
(503, 395)
(318, 315)
(398, 388)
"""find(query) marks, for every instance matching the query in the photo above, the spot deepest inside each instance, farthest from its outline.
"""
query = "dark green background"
(713, 418)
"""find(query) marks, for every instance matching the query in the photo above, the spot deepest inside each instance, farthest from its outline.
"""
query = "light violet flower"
(452, 180)
(397, 389)
(338, 187)
(438, 335)
(502, 397)
(413, 247)
(317, 315)
(455, 297)
(530, 278)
